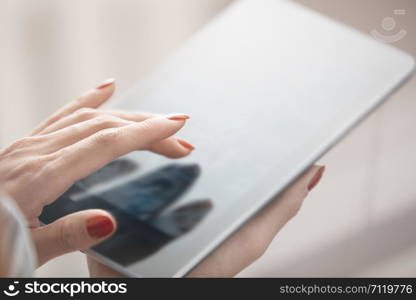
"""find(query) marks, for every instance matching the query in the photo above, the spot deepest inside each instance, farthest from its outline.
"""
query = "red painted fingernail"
(100, 226)
(178, 117)
(105, 83)
(316, 178)
(186, 144)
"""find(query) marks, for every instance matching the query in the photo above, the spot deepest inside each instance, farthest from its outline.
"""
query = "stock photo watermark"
(71, 289)
(389, 32)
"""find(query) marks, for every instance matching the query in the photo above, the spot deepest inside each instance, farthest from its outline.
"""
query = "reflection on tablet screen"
(139, 204)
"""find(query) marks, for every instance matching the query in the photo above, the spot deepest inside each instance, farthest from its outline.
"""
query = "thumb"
(73, 232)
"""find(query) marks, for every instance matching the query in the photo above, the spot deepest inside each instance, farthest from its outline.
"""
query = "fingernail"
(178, 117)
(100, 226)
(105, 83)
(316, 178)
(186, 144)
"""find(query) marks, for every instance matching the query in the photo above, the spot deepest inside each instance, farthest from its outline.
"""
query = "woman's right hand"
(73, 143)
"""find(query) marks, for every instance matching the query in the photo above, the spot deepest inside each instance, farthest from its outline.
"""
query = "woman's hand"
(73, 143)
(251, 241)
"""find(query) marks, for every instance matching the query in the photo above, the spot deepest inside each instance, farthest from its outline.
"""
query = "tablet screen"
(269, 87)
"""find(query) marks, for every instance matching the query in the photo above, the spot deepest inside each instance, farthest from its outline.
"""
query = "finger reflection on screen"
(140, 204)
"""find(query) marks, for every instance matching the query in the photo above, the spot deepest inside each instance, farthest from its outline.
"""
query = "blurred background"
(360, 220)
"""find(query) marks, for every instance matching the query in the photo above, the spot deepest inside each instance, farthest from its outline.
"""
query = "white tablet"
(270, 86)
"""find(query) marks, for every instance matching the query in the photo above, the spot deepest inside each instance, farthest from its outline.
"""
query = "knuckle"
(293, 210)
(257, 249)
(294, 207)
(85, 113)
(66, 237)
(255, 244)
(148, 126)
(107, 137)
(294, 198)
(80, 99)
(108, 121)
(297, 192)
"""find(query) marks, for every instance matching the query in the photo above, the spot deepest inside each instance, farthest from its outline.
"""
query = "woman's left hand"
(251, 240)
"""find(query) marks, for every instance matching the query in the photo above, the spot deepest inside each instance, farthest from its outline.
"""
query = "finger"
(171, 147)
(72, 134)
(270, 220)
(250, 242)
(92, 99)
(85, 114)
(73, 232)
(96, 151)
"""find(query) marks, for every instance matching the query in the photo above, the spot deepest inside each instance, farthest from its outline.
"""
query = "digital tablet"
(270, 87)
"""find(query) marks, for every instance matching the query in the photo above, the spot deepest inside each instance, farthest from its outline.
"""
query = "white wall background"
(359, 221)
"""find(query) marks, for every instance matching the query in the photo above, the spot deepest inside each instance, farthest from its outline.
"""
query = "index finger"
(87, 156)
